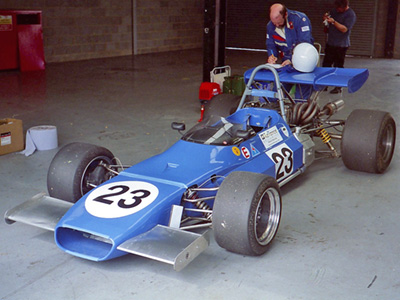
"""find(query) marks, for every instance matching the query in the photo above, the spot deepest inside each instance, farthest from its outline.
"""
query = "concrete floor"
(339, 234)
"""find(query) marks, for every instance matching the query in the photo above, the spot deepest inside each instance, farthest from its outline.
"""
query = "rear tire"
(246, 213)
(368, 141)
(74, 167)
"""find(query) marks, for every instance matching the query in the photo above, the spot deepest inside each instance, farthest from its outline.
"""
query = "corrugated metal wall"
(246, 22)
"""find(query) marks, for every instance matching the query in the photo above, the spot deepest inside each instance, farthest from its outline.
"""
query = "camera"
(327, 15)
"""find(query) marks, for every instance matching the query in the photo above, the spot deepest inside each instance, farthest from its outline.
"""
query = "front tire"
(368, 141)
(74, 168)
(246, 213)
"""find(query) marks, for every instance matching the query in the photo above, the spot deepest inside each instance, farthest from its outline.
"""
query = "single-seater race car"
(225, 173)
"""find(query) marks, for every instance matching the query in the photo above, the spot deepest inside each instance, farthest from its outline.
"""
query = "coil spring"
(324, 135)
(203, 205)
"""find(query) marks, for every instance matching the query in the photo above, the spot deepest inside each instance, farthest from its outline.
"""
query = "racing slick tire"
(368, 141)
(73, 167)
(247, 213)
(222, 105)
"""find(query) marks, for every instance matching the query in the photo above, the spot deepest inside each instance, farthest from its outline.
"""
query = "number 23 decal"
(123, 190)
(119, 199)
(282, 156)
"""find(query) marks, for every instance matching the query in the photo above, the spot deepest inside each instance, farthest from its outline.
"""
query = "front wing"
(162, 243)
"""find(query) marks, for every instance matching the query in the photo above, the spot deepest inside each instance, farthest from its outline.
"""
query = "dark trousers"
(334, 56)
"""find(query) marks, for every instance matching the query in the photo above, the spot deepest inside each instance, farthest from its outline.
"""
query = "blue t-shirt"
(337, 38)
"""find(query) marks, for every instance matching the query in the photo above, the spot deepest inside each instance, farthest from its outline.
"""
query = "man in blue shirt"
(286, 29)
(339, 22)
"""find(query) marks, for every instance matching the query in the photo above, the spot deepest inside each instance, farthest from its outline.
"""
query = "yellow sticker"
(6, 23)
(236, 151)
(6, 20)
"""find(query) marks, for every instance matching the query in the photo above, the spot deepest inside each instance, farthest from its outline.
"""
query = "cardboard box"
(11, 136)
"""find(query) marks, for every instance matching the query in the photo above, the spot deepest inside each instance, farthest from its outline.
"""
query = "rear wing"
(352, 79)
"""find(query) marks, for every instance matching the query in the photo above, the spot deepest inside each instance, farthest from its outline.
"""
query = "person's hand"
(272, 59)
(286, 63)
(325, 19)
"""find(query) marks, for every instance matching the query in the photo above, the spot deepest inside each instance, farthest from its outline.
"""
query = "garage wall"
(86, 29)
(247, 24)
(168, 25)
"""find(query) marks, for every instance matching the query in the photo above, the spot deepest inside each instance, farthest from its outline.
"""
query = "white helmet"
(305, 57)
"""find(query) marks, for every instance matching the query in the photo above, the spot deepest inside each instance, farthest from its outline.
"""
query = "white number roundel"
(120, 199)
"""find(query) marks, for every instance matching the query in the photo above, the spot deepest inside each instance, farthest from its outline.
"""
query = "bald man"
(285, 30)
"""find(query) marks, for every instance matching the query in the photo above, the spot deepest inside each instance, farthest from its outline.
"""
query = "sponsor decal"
(245, 152)
(254, 150)
(270, 137)
(285, 131)
(236, 151)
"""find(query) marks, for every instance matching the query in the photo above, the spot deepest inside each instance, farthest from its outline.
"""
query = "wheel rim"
(268, 214)
(387, 142)
(91, 166)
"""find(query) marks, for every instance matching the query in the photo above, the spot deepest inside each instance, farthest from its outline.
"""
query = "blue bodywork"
(352, 79)
(143, 204)
(190, 161)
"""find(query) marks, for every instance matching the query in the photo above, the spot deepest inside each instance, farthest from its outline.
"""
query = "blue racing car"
(225, 173)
